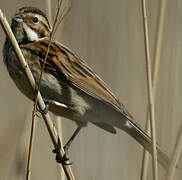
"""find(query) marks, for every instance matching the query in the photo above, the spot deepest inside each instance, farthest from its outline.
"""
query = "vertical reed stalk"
(29, 162)
(150, 92)
(59, 130)
(157, 56)
(61, 174)
(30, 150)
(49, 11)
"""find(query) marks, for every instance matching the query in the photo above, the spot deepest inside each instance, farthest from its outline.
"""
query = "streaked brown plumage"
(67, 80)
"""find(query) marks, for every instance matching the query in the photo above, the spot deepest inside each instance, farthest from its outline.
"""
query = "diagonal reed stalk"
(56, 21)
(50, 127)
(157, 56)
(150, 92)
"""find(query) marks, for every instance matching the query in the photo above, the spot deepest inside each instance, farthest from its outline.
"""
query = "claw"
(45, 110)
(65, 158)
(54, 151)
(62, 160)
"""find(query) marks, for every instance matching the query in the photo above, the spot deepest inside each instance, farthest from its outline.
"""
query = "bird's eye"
(35, 20)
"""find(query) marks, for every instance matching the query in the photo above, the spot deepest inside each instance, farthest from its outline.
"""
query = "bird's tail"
(140, 136)
(123, 120)
(126, 123)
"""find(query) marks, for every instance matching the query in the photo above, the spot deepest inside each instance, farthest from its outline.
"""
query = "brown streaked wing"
(76, 71)
(81, 76)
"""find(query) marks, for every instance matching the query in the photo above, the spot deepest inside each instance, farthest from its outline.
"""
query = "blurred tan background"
(108, 35)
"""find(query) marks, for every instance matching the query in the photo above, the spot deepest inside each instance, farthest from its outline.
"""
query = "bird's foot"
(42, 111)
(62, 160)
(46, 109)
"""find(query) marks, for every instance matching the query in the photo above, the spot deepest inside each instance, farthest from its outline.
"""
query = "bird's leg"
(69, 109)
(67, 146)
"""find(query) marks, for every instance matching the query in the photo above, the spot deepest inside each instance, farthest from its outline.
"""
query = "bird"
(68, 85)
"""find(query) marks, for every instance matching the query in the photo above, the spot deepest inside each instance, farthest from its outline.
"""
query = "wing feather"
(62, 60)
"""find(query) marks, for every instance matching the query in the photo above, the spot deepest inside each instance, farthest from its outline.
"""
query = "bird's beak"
(17, 17)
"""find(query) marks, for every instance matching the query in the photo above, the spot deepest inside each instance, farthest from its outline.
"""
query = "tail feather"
(140, 136)
(130, 127)
(123, 120)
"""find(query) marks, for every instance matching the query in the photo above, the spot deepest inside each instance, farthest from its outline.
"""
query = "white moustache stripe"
(32, 35)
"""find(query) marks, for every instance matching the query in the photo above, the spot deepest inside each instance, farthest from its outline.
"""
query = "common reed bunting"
(70, 87)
